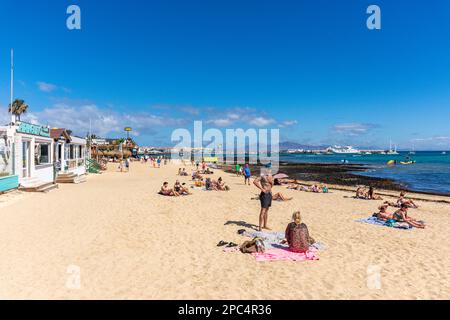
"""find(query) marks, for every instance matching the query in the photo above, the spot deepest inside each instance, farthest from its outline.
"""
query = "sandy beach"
(131, 243)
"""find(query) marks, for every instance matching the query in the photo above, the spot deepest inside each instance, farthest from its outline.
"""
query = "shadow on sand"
(242, 224)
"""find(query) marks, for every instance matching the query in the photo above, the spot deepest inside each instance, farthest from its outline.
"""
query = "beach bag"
(253, 246)
(248, 247)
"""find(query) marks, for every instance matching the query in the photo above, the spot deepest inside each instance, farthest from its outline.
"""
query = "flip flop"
(231, 245)
(222, 243)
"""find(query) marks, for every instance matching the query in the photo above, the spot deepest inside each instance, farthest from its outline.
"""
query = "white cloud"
(191, 110)
(288, 123)
(261, 121)
(224, 122)
(438, 138)
(46, 87)
(437, 141)
(353, 129)
(104, 122)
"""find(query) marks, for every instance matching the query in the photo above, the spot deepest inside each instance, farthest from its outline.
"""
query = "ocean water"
(430, 173)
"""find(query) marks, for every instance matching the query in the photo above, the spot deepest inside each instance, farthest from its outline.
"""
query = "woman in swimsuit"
(280, 197)
(401, 215)
(179, 188)
(372, 196)
(402, 200)
(361, 193)
(166, 191)
(383, 214)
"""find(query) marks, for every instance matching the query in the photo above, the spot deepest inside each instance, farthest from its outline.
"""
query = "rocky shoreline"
(336, 174)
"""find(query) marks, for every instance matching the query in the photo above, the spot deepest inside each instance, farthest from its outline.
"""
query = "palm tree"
(18, 108)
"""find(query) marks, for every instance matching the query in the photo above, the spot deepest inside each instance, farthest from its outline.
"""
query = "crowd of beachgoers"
(296, 236)
(198, 230)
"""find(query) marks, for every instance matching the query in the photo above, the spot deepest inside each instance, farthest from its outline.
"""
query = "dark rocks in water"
(338, 174)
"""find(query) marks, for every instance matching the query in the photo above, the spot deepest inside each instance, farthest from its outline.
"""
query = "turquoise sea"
(430, 173)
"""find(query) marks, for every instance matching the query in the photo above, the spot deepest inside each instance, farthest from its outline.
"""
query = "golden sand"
(130, 243)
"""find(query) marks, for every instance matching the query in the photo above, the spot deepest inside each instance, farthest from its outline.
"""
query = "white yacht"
(392, 151)
(343, 150)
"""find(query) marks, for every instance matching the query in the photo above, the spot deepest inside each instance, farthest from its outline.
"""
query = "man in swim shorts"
(247, 174)
(265, 184)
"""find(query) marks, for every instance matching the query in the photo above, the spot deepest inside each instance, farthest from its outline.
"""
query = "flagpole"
(13, 118)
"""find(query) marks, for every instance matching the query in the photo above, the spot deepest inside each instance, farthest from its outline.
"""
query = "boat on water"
(343, 150)
(407, 162)
(444, 152)
(294, 151)
(392, 151)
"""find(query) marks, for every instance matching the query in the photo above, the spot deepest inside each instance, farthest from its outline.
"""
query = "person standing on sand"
(265, 184)
(238, 169)
(247, 174)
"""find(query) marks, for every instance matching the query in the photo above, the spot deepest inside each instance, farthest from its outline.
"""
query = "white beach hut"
(33, 156)
(70, 156)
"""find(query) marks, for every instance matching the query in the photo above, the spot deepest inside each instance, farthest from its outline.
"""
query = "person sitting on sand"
(196, 176)
(219, 185)
(402, 200)
(361, 193)
(383, 214)
(183, 173)
(401, 215)
(280, 197)
(315, 189)
(209, 184)
(166, 191)
(372, 196)
(297, 234)
(180, 188)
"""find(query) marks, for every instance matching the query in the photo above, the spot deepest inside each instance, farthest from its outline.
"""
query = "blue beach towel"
(390, 223)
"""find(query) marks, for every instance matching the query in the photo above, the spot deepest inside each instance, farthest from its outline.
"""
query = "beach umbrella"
(280, 176)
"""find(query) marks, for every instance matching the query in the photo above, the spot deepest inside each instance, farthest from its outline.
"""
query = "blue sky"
(310, 68)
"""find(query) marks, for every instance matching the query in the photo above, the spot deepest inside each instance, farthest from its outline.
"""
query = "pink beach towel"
(284, 254)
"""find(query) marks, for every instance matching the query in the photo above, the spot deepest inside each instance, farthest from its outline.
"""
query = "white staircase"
(70, 178)
(36, 185)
